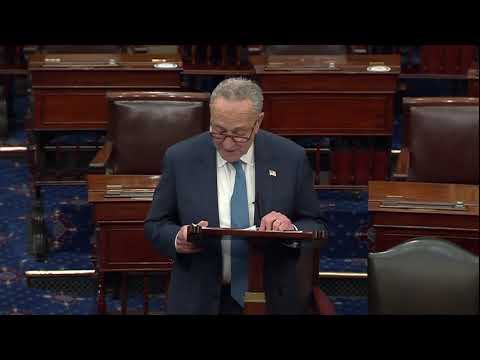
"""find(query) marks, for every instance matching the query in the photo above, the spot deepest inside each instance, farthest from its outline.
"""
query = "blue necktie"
(239, 249)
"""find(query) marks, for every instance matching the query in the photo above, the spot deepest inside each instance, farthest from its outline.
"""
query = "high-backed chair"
(440, 141)
(423, 276)
(144, 124)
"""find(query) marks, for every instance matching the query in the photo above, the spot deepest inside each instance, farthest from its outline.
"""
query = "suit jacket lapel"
(205, 174)
(264, 181)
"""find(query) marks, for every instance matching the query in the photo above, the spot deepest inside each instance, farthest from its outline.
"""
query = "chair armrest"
(402, 165)
(322, 304)
(102, 157)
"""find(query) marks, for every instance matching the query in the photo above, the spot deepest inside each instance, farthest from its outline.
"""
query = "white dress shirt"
(225, 183)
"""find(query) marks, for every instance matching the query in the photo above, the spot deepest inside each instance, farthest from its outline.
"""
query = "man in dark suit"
(235, 175)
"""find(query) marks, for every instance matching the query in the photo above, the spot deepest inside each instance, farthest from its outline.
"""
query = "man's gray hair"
(239, 89)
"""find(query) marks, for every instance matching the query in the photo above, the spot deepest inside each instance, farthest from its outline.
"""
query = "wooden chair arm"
(102, 157)
(402, 165)
(322, 304)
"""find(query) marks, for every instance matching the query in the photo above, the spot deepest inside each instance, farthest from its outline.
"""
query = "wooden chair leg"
(124, 295)
(101, 303)
(146, 293)
(167, 285)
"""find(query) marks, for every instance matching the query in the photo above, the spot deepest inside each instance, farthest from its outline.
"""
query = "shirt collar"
(247, 158)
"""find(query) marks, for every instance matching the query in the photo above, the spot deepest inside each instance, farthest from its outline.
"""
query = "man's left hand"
(275, 221)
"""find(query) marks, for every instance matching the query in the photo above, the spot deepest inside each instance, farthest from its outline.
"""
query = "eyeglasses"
(235, 138)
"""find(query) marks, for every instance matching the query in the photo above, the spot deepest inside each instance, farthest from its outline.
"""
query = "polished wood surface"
(120, 244)
(69, 89)
(328, 95)
(99, 61)
(347, 63)
(396, 225)
(97, 184)
(426, 192)
(439, 101)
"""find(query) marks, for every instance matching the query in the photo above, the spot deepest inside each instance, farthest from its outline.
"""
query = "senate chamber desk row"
(422, 199)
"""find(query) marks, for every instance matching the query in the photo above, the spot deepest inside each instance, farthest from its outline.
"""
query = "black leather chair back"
(423, 276)
(144, 125)
(444, 144)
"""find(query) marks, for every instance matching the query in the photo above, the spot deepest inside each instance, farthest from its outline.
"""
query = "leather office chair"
(144, 124)
(440, 141)
(423, 276)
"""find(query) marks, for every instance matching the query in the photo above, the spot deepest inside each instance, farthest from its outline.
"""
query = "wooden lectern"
(255, 300)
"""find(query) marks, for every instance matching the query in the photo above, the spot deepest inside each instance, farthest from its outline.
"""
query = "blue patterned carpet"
(70, 230)
(69, 226)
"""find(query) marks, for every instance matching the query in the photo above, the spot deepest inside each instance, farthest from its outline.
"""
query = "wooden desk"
(120, 245)
(397, 225)
(69, 89)
(328, 95)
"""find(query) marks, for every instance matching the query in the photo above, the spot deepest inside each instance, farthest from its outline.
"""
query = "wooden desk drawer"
(123, 247)
(81, 109)
(139, 78)
(334, 82)
(327, 114)
(433, 220)
(121, 211)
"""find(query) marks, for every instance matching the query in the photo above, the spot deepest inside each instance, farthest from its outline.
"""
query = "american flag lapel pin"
(272, 172)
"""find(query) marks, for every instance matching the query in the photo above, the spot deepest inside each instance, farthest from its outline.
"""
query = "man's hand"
(181, 243)
(276, 221)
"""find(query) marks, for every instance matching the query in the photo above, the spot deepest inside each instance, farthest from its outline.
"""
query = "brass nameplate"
(255, 297)
(117, 191)
(59, 62)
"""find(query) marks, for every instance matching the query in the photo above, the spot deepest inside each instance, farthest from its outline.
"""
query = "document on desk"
(255, 228)
(253, 232)
(292, 237)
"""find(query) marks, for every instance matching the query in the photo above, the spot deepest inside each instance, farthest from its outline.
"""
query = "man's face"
(238, 119)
